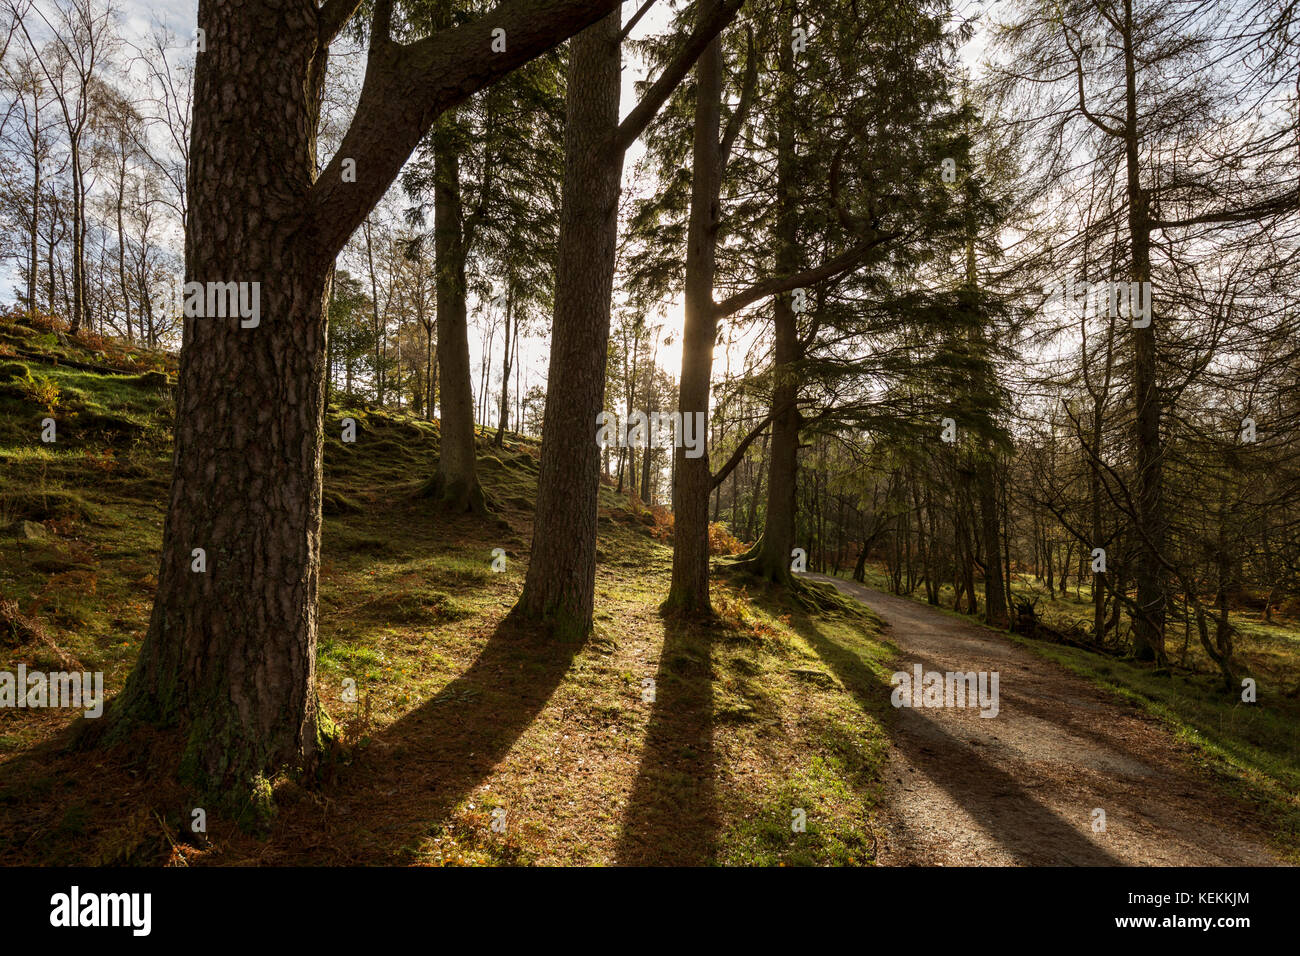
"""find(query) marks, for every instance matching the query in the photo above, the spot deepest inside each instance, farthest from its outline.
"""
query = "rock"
(27, 530)
(153, 379)
(812, 676)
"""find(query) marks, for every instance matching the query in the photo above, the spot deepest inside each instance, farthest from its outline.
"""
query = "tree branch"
(714, 22)
(832, 267)
(738, 455)
(407, 87)
(1275, 205)
(636, 18)
(746, 100)
(333, 16)
(1083, 104)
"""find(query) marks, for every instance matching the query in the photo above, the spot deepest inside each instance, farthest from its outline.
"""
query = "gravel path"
(1021, 788)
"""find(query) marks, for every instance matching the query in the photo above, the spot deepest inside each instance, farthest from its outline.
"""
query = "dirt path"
(1021, 788)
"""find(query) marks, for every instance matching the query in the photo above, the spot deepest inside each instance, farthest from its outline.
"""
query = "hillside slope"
(465, 743)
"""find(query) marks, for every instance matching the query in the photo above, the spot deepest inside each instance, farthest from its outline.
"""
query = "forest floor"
(1024, 787)
(466, 743)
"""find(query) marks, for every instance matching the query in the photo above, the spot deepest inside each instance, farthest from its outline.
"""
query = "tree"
(229, 658)
(1134, 86)
(29, 140)
(559, 588)
(351, 333)
(82, 45)
(490, 168)
(806, 230)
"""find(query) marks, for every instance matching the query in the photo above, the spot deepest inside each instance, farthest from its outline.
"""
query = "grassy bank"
(463, 743)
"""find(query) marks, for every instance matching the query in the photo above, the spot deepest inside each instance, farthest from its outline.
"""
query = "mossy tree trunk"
(230, 651)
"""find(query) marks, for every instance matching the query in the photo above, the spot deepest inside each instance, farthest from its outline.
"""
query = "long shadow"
(1082, 724)
(1014, 818)
(415, 772)
(672, 814)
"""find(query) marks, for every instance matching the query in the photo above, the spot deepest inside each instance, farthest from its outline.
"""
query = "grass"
(653, 742)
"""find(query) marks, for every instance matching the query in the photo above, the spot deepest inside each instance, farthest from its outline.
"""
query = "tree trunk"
(860, 566)
(688, 593)
(773, 561)
(230, 655)
(995, 601)
(78, 240)
(505, 372)
(229, 658)
(1149, 574)
(374, 306)
(121, 250)
(648, 455)
(456, 481)
(34, 235)
(559, 588)
(329, 346)
(430, 377)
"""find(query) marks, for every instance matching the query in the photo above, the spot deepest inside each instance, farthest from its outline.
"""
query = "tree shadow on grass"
(396, 791)
(402, 787)
(1031, 831)
(672, 815)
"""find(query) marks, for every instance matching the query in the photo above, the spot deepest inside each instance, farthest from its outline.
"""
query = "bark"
(230, 652)
(773, 561)
(455, 483)
(1150, 577)
(995, 601)
(560, 585)
(559, 588)
(329, 346)
(692, 479)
